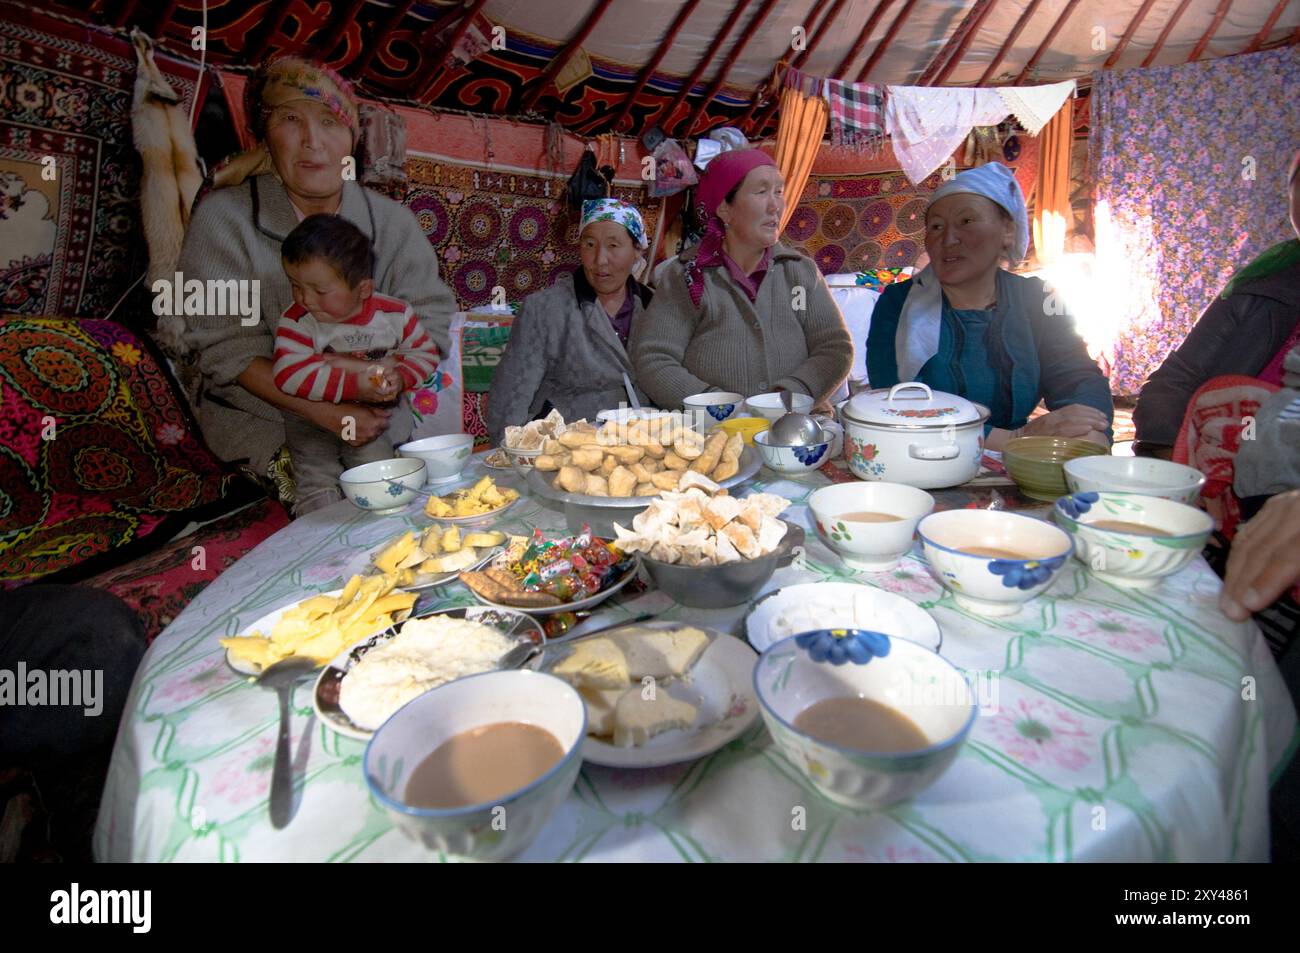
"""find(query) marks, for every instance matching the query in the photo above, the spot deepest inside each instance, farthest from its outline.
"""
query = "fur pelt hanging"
(171, 176)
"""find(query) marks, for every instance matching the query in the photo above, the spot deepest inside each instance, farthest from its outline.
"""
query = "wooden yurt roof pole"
(164, 18)
(358, 67)
(1219, 14)
(822, 31)
(1047, 40)
(433, 62)
(1164, 34)
(957, 45)
(128, 8)
(1124, 40)
(861, 41)
(737, 48)
(1001, 54)
(648, 70)
(1267, 28)
(885, 40)
(571, 47)
(279, 13)
(331, 39)
(705, 60)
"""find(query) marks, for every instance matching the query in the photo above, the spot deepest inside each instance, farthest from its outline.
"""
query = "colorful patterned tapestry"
(872, 218)
(499, 228)
(70, 236)
(1190, 184)
(98, 456)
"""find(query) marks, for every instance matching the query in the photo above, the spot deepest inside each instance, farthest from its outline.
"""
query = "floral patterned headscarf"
(612, 210)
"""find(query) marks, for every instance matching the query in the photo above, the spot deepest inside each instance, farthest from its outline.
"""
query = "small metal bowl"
(717, 587)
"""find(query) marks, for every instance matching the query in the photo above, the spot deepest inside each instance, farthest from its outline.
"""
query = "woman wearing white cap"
(965, 325)
(568, 345)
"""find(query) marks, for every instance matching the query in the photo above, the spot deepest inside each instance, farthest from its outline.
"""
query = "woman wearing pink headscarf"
(740, 312)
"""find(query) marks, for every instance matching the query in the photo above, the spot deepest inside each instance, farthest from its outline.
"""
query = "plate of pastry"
(659, 692)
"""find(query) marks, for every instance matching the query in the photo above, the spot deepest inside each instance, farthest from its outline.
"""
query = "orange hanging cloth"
(1052, 214)
(799, 134)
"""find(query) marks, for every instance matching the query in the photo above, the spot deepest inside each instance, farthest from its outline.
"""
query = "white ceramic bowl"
(1126, 558)
(793, 460)
(991, 585)
(444, 457)
(910, 678)
(503, 828)
(873, 547)
(522, 460)
(769, 405)
(709, 410)
(1146, 475)
(384, 486)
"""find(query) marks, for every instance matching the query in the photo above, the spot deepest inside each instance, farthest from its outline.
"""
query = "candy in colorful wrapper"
(559, 567)
(583, 539)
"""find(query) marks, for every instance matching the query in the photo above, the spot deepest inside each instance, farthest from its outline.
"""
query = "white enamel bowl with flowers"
(799, 671)
(384, 486)
(1130, 558)
(871, 547)
(792, 460)
(993, 585)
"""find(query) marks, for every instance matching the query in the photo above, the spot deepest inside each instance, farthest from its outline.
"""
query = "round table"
(1124, 725)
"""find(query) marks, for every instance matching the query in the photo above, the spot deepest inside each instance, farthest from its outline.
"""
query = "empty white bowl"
(770, 407)
(1131, 558)
(709, 410)
(793, 460)
(1031, 553)
(873, 547)
(502, 828)
(1145, 475)
(444, 457)
(910, 679)
(384, 486)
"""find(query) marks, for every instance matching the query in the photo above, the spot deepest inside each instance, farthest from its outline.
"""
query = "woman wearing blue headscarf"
(967, 326)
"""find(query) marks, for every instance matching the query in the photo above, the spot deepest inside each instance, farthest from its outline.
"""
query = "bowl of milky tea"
(868, 719)
(869, 525)
(1131, 539)
(992, 561)
(476, 767)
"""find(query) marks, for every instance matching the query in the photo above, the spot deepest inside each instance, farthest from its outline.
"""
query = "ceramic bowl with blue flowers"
(793, 460)
(992, 561)
(384, 486)
(504, 827)
(710, 409)
(798, 672)
(1131, 539)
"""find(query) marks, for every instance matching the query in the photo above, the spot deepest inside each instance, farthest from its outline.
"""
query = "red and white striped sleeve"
(300, 371)
(416, 355)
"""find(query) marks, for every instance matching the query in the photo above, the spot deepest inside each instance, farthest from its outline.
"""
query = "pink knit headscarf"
(723, 174)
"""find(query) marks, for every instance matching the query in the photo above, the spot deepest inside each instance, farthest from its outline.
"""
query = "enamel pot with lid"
(910, 434)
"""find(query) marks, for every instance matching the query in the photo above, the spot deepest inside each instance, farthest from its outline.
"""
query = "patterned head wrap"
(278, 82)
(723, 174)
(612, 210)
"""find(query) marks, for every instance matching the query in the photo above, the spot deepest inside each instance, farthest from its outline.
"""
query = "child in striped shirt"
(340, 341)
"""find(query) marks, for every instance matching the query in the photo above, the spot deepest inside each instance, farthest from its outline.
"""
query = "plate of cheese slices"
(659, 692)
(419, 559)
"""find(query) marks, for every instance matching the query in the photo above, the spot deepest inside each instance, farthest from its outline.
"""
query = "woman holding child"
(305, 119)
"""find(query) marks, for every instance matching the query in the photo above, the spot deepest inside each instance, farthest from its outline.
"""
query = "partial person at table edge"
(966, 325)
(741, 311)
(568, 347)
(304, 117)
(1246, 331)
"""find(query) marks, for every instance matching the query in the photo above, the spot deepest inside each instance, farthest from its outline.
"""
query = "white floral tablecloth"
(1128, 726)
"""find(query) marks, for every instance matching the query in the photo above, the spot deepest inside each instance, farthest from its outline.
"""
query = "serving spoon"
(794, 429)
(282, 676)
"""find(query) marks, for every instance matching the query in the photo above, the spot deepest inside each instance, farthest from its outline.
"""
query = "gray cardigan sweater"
(563, 351)
(730, 343)
(236, 233)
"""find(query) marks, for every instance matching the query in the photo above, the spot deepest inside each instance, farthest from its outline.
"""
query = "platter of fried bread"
(434, 556)
(319, 627)
(626, 463)
(482, 501)
(658, 692)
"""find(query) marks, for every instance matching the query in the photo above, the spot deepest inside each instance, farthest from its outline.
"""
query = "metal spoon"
(794, 430)
(518, 656)
(282, 676)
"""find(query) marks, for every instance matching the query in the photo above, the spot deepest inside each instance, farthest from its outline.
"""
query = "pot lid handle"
(929, 395)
